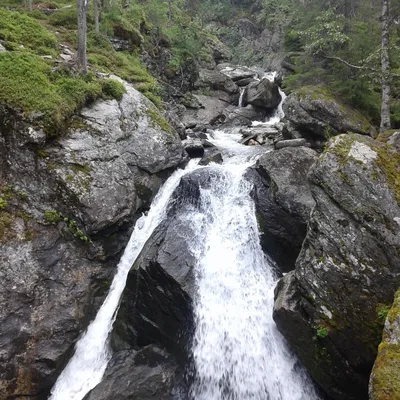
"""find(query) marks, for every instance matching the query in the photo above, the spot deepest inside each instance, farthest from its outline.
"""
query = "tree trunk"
(82, 61)
(169, 10)
(385, 80)
(96, 9)
(30, 5)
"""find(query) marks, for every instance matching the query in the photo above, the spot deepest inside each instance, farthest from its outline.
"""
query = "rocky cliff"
(67, 205)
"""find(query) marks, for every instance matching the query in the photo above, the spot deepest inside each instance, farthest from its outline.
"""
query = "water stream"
(238, 354)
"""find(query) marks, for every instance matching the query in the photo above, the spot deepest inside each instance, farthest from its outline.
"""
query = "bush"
(113, 89)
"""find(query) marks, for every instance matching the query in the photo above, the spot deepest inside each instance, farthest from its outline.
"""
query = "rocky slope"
(66, 208)
(330, 307)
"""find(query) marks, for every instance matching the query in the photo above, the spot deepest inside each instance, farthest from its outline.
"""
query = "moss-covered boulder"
(312, 113)
(331, 308)
(385, 377)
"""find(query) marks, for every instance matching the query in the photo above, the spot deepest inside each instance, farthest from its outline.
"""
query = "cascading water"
(86, 368)
(242, 89)
(238, 353)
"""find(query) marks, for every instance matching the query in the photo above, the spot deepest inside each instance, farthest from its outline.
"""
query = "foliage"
(17, 30)
(113, 89)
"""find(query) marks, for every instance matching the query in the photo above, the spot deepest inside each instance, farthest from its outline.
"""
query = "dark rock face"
(211, 155)
(348, 269)
(147, 374)
(70, 203)
(313, 114)
(242, 116)
(263, 94)
(283, 202)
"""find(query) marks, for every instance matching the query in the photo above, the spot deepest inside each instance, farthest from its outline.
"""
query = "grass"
(18, 29)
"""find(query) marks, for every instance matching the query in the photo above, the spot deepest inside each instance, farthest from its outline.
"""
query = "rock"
(312, 113)
(236, 73)
(264, 94)
(156, 306)
(384, 381)
(220, 52)
(2, 48)
(66, 57)
(283, 202)
(242, 116)
(244, 82)
(348, 267)
(71, 203)
(211, 156)
(217, 81)
(211, 112)
(147, 374)
(194, 147)
(394, 140)
(290, 143)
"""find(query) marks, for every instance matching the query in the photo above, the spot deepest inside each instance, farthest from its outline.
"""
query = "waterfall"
(86, 368)
(242, 89)
(238, 352)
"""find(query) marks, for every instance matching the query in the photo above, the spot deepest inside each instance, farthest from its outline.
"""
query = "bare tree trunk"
(30, 5)
(82, 61)
(169, 10)
(385, 63)
(96, 9)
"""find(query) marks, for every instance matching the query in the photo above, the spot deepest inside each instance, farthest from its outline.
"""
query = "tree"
(30, 5)
(385, 64)
(96, 11)
(82, 59)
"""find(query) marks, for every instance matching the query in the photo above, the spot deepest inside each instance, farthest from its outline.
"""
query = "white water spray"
(238, 352)
(87, 366)
(242, 89)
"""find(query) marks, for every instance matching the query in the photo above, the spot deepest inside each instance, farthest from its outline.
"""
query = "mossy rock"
(385, 377)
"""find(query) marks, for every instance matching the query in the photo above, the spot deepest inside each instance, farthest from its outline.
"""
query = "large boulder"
(67, 207)
(147, 374)
(385, 376)
(329, 309)
(210, 112)
(264, 94)
(224, 88)
(312, 113)
(242, 116)
(237, 73)
(283, 202)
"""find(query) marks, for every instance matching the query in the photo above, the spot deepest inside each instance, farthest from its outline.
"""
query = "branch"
(348, 64)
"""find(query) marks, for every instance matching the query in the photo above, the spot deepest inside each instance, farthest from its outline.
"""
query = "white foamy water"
(238, 352)
(86, 368)
(242, 89)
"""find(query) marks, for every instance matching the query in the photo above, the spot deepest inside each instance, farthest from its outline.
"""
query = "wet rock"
(311, 113)
(283, 202)
(329, 309)
(242, 116)
(212, 155)
(385, 377)
(264, 94)
(194, 147)
(290, 143)
(147, 374)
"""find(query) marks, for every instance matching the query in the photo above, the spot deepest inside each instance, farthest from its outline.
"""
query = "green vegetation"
(18, 30)
(321, 331)
(53, 217)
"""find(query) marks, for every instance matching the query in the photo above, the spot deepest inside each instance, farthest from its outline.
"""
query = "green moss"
(157, 119)
(5, 223)
(389, 163)
(113, 89)
(385, 379)
(341, 148)
(52, 216)
(19, 29)
(382, 312)
(27, 83)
